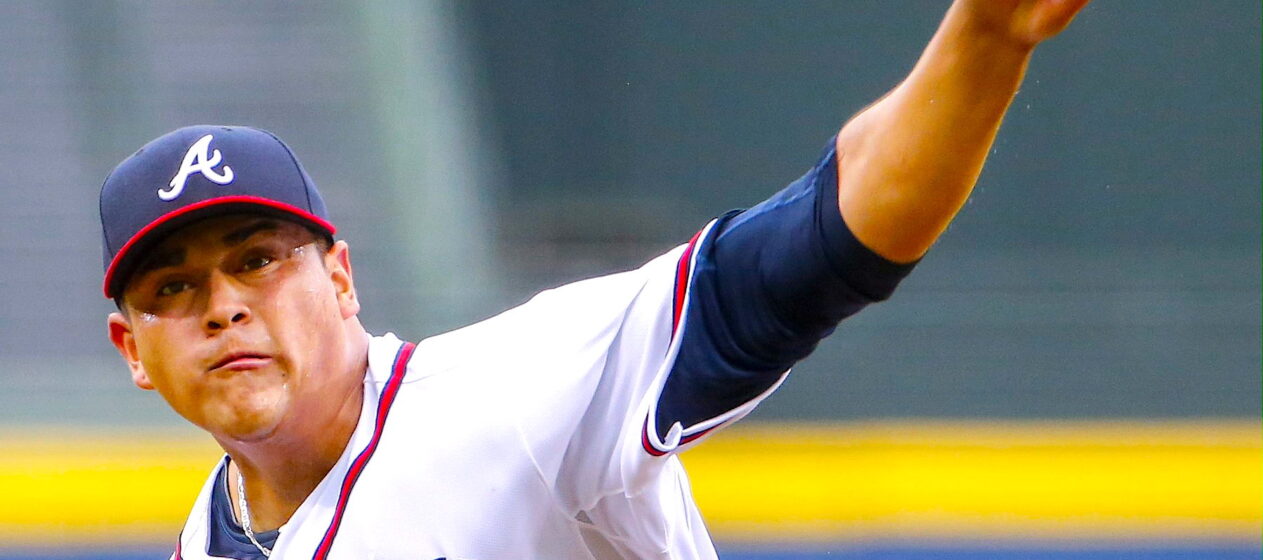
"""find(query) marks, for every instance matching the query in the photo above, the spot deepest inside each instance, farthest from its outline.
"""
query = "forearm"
(908, 162)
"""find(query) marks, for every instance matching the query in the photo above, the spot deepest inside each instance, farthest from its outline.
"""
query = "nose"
(225, 304)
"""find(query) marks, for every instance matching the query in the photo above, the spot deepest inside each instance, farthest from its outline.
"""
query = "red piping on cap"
(109, 273)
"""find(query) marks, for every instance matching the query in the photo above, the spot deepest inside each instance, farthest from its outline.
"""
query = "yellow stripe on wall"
(937, 480)
(65, 487)
(983, 480)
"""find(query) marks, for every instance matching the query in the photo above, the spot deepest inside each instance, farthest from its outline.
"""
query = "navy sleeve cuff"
(768, 284)
(868, 273)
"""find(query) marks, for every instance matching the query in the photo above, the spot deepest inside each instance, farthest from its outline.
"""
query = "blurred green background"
(1108, 264)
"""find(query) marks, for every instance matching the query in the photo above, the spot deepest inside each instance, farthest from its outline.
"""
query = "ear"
(122, 338)
(338, 262)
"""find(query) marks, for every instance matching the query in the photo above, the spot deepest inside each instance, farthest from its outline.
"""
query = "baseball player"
(551, 430)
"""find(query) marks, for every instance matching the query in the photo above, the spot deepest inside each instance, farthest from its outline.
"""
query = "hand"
(1022, 22)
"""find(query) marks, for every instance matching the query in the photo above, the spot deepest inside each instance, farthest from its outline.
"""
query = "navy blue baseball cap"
(197, 172)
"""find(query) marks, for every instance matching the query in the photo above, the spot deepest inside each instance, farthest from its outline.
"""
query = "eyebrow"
(235, 237)
(160, 259)
(175, 256)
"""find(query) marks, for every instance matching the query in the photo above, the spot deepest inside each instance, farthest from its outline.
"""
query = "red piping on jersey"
(177, 555)
(682, 270)
(118, 257)
(649, 447)
(357, 466)
(644, 440)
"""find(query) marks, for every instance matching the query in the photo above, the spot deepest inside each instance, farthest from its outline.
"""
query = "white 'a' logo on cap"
(196, 160)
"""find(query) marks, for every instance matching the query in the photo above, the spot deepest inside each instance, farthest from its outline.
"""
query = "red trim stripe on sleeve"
(357, 466)
(644, 440)
(178, 548)
(649, 447)
(682, 272)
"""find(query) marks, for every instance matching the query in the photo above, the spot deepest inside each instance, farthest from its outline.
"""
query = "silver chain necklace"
(245, 515)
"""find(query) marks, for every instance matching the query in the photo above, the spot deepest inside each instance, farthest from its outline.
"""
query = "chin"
(254, 428)
(253, 421)
(248, 435)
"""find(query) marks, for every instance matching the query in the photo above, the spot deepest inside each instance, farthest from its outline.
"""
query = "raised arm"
(907, 163)
(758, 289)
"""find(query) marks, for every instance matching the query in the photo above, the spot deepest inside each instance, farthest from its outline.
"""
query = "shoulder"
(612, 291)
(561, 317)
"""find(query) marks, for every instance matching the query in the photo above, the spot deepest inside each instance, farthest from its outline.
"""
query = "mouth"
(240, 361)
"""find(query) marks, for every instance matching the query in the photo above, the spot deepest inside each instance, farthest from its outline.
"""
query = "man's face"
(231, 319)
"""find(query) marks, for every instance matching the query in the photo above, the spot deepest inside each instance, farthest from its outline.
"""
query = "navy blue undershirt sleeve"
(769, 283)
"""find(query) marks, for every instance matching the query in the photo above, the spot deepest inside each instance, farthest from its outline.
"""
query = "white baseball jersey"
(518, 437)
(551, 430)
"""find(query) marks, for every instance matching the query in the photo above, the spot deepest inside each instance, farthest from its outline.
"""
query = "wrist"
(975, 25)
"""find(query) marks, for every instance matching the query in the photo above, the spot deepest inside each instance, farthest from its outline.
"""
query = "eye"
(256, 262)
(173, 288)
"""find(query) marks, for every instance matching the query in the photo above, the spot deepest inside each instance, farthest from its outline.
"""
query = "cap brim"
(130, 254)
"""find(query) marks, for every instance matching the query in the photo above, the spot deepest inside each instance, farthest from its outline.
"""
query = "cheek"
(157, 344)
(303, 304)
(166, 354)
(301, 317)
